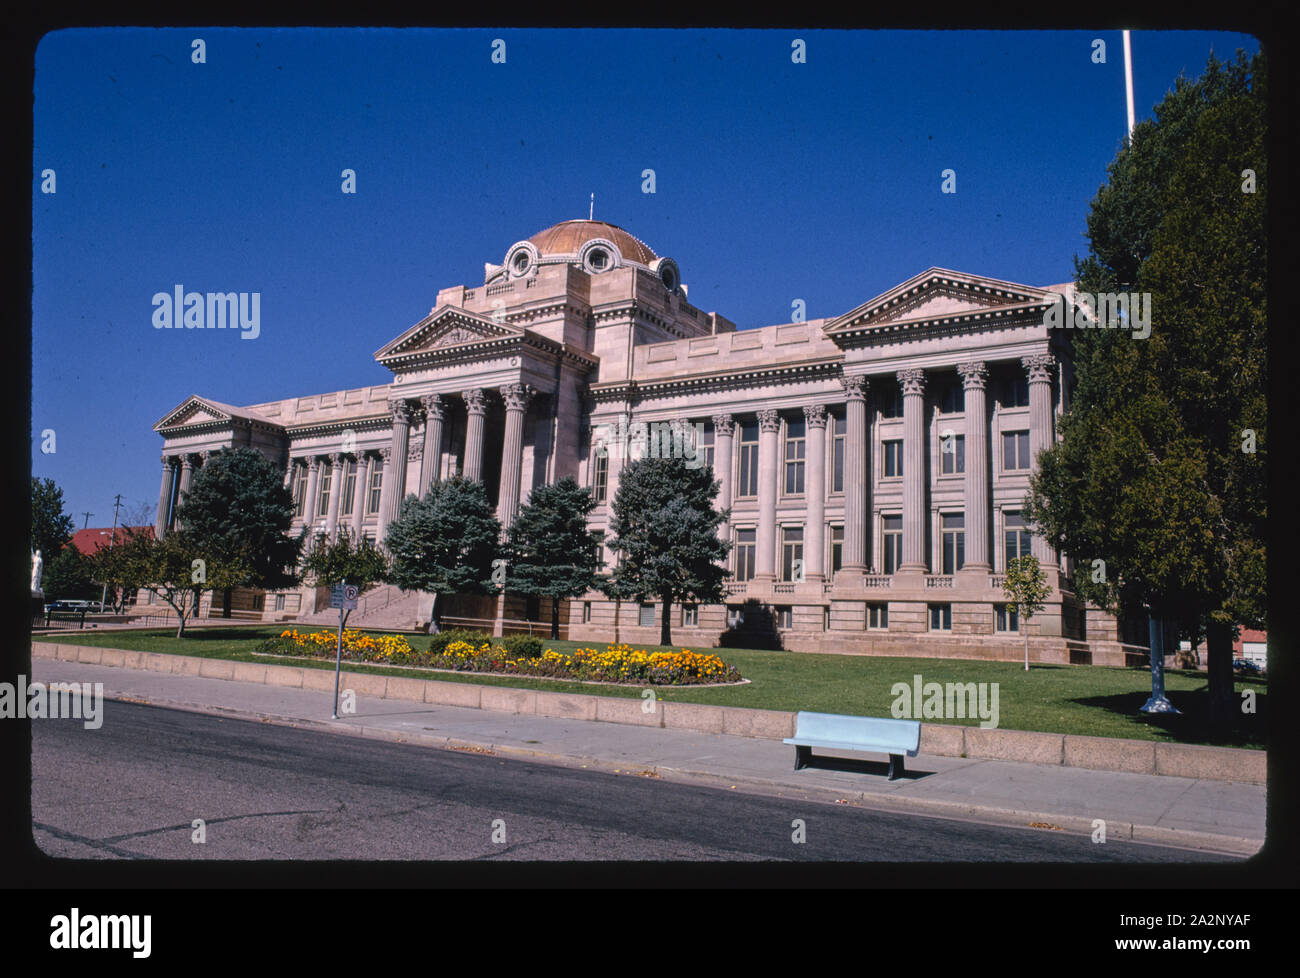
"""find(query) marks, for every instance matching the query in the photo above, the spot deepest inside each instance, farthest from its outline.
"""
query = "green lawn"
(1090, 700)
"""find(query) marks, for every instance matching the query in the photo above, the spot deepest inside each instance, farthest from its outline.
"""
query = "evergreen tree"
(51, 527)
(238, 512)
(550, 552)
(445, 543)
(665, 531)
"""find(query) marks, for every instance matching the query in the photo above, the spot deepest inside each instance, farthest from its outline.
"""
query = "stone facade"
(874, 462)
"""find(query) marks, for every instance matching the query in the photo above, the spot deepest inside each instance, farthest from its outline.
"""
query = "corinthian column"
(516, 397)
(913, 383)
(309, 505)
(187, 476)
(769, 423)
(724, 428)
(476, 410)
(855, 477)
(974, 378)
(385, 491)
(1039, 367)
(360, 495)
(336, 494)
(164, 497)
(401, 412)
(435, 410)
(815, 529)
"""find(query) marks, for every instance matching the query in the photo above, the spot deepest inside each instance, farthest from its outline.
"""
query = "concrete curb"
(1073, 824)
(1070, 750)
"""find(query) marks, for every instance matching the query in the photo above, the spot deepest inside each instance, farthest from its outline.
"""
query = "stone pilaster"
(435, 412)
(974, 376)
(476, 411)
(516, 397)
(855, 477)
(769, 424)
(336, 495)
(815, 493)
(915, 512)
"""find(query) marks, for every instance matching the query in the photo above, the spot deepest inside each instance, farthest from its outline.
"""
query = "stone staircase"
(387, 606)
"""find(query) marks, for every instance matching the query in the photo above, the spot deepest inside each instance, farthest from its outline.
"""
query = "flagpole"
(1128, 81)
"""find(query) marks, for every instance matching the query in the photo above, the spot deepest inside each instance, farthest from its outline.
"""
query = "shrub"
(438, 643)
(523, 646)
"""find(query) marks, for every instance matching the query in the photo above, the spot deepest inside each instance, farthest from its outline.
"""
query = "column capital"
(434, 406)
(517, 396)
(187, 461)
(336, 459)
(386, 453)
(313, 463)
(974, 375)
(769, 421)
(166, 460)
(724, 424)
(815, 415)
(855, 388)
(912, 380)
(475, 401)
(1039, 366)
(401, 412)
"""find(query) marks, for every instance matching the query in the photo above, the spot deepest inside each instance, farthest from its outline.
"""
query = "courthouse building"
(874, 462)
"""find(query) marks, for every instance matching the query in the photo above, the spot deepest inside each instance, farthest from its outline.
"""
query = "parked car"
(1246, 666)
(68, 604)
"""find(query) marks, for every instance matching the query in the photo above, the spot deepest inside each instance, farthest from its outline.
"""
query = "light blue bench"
(831, 731)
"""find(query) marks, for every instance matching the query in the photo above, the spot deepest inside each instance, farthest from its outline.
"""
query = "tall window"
(878, 615)
(748, 459)
(837, 549)
(1015, 450)
(796, 447)
(1015, 392)
(1015, 537)
(646, 616)
(376, 486)
(837, 454)
(299, 489)
(952, 400)
(954, 542)
(705, 448)
(792, 568)
(690, 615)
(893, 459)
(952, 453)
(893, 540)
(326, 483)
(600, 475)
(349, 486)
(746, 550)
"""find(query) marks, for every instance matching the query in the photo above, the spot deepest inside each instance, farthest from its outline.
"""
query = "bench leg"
(895, 766)
(801, 757)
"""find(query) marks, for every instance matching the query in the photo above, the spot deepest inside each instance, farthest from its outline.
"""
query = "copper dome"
(568, 237)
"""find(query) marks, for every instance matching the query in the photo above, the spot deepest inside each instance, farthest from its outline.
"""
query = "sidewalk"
(1222, 816)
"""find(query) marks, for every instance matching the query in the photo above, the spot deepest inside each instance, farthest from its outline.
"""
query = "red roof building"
(92, 538)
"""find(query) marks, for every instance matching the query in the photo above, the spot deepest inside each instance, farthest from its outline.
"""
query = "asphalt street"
(134, 788)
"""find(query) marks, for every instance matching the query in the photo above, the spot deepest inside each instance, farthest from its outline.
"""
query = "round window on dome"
(520, 262)
(598, 259)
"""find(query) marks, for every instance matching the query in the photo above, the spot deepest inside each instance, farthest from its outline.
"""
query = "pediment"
(447, 327)
(934, 294)
(192, 411)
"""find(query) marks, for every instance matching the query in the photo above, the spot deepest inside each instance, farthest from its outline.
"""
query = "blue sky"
(774, 181)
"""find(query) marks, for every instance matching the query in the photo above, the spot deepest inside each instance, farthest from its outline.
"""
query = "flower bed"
(616, 664)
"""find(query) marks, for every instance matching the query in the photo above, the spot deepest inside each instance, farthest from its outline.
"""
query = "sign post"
(344, 597)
